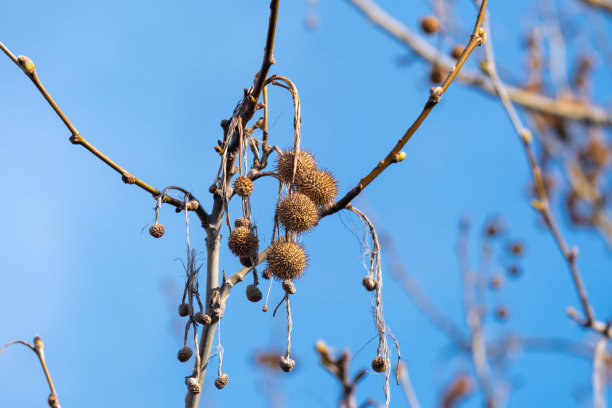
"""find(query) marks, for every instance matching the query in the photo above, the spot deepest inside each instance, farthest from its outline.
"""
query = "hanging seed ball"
(184, 309)
(319, 185)
(156, 230)
(429, 24)
(379, 364)
(192, 385)
(286, 364)
(284, 165)
(221, 381)
(242, 222)
(246, 262)
(288, 287)
(286, 260)
(243, 242)
(243, 186)
(253, 293)
(457, 51)
(203, 318)
(298, 213)
(266, 273)
(184, 354)
(369, 283)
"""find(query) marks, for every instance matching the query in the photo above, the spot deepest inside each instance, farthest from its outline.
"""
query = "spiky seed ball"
(242, 222)
(286, 364)
(184, 309)
(288, 287)
(429, 24)
(243, 186)
(297, 212)
(286, 260)
(221, 381)
(203, 318)
(379, 364)
(246, 261)
(243, 242)
(253, 293)
(156, 230)
(192, 385)
(184, 354)
(266, 273)
(319, 185)
(369, 283)
(457, 51)
(284, 165)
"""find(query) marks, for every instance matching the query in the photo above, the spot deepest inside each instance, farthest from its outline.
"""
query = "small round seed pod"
(429, 24)
(289, 287)
(298, 213)
(457, 51)
(436, 75)
(284, 165)
(253, 293)
(192, 385)
(184, 309)
(156, 230)
(242, 222)
(369, 283)
(266, 273)
(53, 401)
(502, 313)
(221, 381)
(243, 242)
(286, 364)
(286, 260)
(319, 185)
(203, 318)
(184, 354)
(379, 364)
(243, 186)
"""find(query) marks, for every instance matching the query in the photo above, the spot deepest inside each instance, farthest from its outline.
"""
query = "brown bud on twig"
(128, 178)
(26, 64)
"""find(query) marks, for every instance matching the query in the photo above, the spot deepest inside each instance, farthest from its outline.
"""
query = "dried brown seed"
(192, 385)
(221, 381)
(502, 313)
(286, 260)
(266, 273)
(429, 24)
(203, 318)
(284, 165)
(289, 287)
(243, 242)
(437, 74)
(369, 283)
(286, 364)
(297, 212)
(457, 51)
(184, 309)
(243, 186)
(156, 230)
(253, 293)
(319, 185)
(184, 354)
(242, 222)
(379, 364)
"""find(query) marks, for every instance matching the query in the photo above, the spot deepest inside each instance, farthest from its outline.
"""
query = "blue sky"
(148, 83)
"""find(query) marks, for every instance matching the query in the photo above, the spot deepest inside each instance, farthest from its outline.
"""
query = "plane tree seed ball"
(286, 260)
(319, 185)
(184, 354)
(429, 24)
(156, 230)
(379, 364)
(284, 165)
(243, 242)
(298, 213)
(243, 186)
(221, 381)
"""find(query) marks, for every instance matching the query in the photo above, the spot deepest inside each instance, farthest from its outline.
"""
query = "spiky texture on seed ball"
(319, 185)
(156, 230)
(286, 364)
(286, 260)
(379, 364)
(243, 186)
(221, 381)
(184, 309)
(284, 165)
(184, 354)
(242, 222)
(369, 283)
(243, 242)
(253, 293)
(203, 318)
(192, 385)
(297, 212)
(429, 24)
(289, 287)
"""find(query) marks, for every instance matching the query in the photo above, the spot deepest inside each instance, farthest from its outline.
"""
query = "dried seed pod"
(184, 354)
(243, 242)
(379, 364)
(284, 165)
(286, 260)
(429, 24)
(286, 364)
(496, 282)
(246, 261)
(289, 287)
(369, 283)
(457, 51)
(297, 212)
(266, 273)
(437, 74)
(319, 185)
(192, 385)
(184, 309)
(53, 401)
(203, 318)
(516, 248)
(242, 222)
(253, 293)
(156, 230)
(243, 186)
(221, 381)
(502, 313)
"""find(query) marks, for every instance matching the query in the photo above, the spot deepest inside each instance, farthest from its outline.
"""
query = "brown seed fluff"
(284, 165)
(156, 230)
(286, 260)
(221, 381)
(243, 186)
(379, 364)
(298, 213)
(319, 185)
(243, 242)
